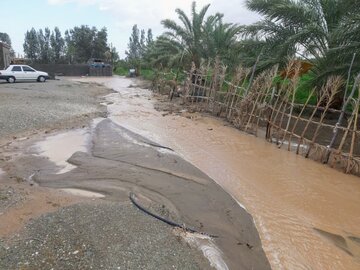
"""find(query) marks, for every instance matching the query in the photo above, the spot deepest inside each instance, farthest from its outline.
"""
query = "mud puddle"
(60, 147)
(290, 198)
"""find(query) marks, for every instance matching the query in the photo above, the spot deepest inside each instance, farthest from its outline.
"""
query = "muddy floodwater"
(307, 214)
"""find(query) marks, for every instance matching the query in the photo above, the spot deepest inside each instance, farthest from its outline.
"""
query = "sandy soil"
(27, 202)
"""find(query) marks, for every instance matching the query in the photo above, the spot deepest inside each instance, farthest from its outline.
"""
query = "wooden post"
(333, 86)
(322, 97)
(353, 137)
(295, 83)
(298, 117)
(273, 108)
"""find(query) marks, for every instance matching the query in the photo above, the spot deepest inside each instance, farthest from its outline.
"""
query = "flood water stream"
(307, 214)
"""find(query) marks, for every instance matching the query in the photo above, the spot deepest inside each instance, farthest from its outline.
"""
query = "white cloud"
(82, 2)
(234, 11)
(148, 13)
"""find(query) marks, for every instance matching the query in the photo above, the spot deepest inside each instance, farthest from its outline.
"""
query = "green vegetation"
(324, 33)
(197, 39)
(5, 38)
(304, 90)
(121, 70)
(148, 74)
(78, 46)
(138, 48)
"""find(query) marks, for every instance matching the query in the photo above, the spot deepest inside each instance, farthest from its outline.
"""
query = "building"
(5, 57)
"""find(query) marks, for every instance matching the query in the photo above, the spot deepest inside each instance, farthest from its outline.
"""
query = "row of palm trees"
(323, 32)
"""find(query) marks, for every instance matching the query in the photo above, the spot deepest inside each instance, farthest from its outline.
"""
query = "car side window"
(28, 69)
(16, 68)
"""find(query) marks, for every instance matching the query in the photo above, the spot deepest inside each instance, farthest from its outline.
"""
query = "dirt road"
(27, 108)
(102, 229)
(307, 214)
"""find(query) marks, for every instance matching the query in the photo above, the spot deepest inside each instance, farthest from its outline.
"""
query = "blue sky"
(117, 16)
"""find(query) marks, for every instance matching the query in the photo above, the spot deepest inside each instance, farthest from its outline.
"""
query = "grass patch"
(304, 90)
(121, 71)
(147, 74)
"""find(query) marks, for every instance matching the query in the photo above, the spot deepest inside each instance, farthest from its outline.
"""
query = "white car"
(22, 73)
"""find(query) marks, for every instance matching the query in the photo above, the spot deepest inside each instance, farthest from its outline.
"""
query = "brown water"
(307, 214)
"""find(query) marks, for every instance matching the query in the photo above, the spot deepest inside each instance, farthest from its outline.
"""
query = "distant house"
(5, 57)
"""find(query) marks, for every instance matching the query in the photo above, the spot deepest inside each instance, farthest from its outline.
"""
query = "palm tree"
(197, 38)
(221, 39)
(165, 52)
(325, 32)
(188, 36)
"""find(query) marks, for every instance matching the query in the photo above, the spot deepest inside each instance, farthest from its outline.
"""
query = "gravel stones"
(34, 106)
(106, 235)
(9, 197)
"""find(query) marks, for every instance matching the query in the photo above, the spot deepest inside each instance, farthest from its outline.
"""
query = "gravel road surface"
(29, 107)
(98, 235)
(111, 233)
(89, 235)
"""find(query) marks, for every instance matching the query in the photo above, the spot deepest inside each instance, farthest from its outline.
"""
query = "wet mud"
(71, 142)
(307, 214)
(287, 195)
(29, 203)
(120, 161)
(348, 243)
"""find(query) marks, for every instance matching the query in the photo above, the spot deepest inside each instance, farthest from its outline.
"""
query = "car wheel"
(11, 80)
(41, 79)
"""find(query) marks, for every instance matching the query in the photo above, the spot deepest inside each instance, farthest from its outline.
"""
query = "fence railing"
(258, 105)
